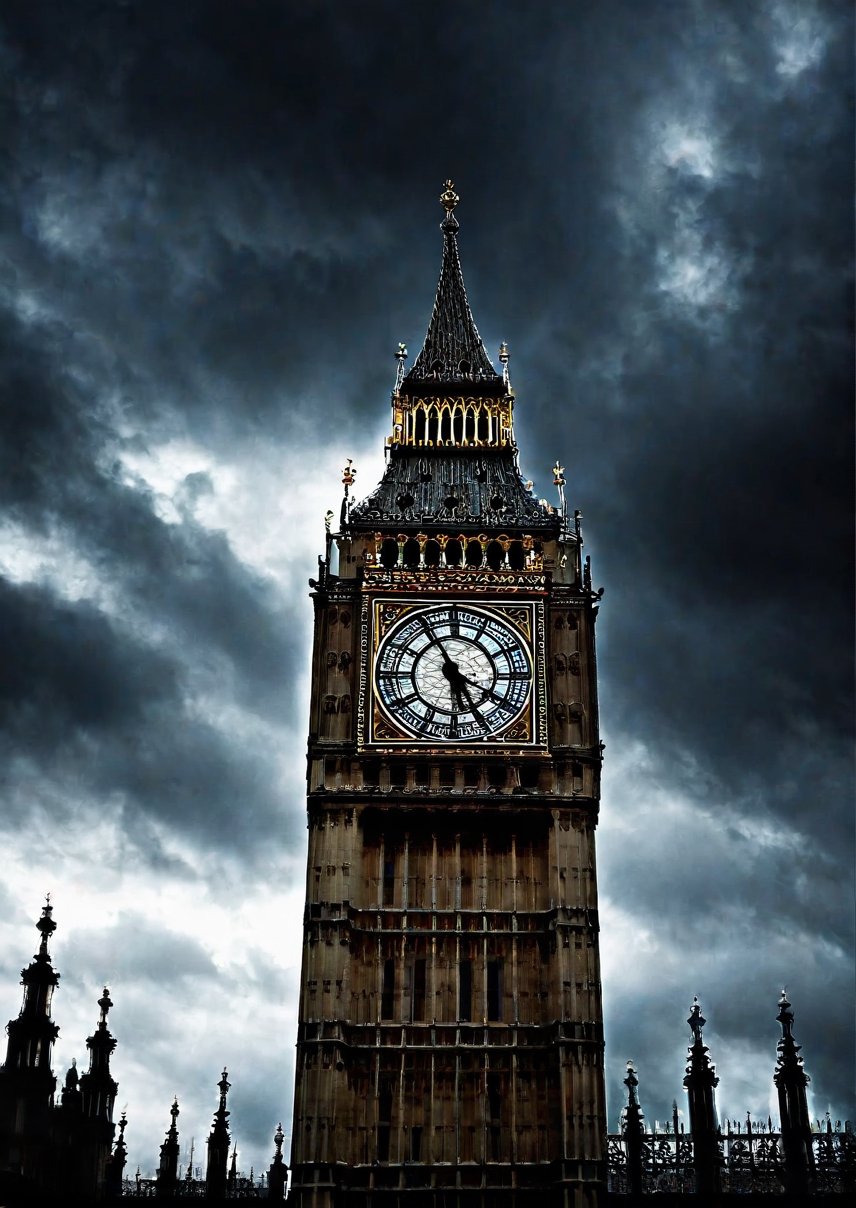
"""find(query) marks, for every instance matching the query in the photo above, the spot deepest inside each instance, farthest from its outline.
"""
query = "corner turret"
(700, 1082)
(278, 1170)
(27, 1082)
(219, 1143)
(167, 1178)
(791, 1081)
(97, 1086)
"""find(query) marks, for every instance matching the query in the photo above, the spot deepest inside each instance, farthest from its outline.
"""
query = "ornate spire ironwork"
(32, 1034)
(700, 1082)
(117, 1161)
(97, 1085)
(278, 1169)
(453, 350)
(791, 1081)
(167, 1177)
(219, 1143)
(633, 1129)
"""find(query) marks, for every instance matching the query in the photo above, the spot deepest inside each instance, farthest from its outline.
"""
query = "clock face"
(453, 673)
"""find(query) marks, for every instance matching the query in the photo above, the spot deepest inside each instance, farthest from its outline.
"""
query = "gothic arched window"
(389, 553)
(419, 426)
(474, 553)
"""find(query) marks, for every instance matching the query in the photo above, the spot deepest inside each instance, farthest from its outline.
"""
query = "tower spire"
(453, 350)
(117, 1161)
(791, 1081)
(700, 1082)
(219, 1143)
(27, 1082)
(97, 1086)
(278, 1169)
(167, 1179)
(634, 1130)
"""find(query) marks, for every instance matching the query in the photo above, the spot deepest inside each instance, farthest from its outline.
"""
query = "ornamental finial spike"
(449, 198)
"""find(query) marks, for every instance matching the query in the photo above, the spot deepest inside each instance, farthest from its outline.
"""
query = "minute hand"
(488, 692)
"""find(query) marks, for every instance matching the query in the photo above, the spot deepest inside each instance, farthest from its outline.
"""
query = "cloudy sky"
(218, 220)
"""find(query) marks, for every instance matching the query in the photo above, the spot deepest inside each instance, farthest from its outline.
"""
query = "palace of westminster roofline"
(71, 1149)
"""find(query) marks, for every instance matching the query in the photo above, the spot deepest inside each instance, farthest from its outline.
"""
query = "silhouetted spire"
(453, 350)
(97, 1086)
(219, 1144)
(700, 1082)
(278, 1169)
(27, 1082)
(633, 1129)
(167, 1178)
(32, 1034)
(116, 1162)
(791, 1081)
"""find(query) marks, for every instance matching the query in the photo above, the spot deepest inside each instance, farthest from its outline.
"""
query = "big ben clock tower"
(450, 1046)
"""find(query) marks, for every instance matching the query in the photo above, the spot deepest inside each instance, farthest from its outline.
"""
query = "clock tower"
(450, 1046)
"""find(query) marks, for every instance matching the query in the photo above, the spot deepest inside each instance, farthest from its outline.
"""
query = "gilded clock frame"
(381, 612)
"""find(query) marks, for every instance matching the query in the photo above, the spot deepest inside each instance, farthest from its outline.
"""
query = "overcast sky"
(218, 220)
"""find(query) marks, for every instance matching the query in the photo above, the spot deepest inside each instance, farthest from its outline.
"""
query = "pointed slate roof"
(453, 350)
(454, 489)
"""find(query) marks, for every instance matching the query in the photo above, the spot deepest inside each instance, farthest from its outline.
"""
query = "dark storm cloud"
(218, 220)
(160, 957)
(90, 703)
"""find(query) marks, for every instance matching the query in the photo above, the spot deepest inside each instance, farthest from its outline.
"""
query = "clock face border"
(383, 614)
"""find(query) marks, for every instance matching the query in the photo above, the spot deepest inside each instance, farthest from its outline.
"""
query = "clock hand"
(488, 692)
(473, 706)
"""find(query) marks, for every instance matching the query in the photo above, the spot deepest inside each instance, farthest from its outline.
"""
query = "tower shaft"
(450, 1031)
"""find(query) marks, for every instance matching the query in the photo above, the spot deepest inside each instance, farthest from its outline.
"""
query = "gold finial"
(449, 198)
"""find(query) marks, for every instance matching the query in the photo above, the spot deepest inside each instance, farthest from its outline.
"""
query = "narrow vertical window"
(388, 882)
(417, 1001)
(494, 1108)
(465, 991)
(416, 1143)
(387, 997)
(494, 990)
(384, 1119)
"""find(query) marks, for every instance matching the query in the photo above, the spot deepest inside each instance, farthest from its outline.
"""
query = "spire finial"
(46, 927)
(504, 357)
(449, 198)
(105, 1004)
(401, 357)
(696, 1020)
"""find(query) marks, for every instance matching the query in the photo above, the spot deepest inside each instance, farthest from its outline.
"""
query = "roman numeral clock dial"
(453, 673)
